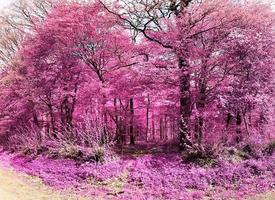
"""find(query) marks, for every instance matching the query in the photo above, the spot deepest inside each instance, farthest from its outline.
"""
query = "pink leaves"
(213, 62)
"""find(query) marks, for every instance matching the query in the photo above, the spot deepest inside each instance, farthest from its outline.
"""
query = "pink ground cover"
(162, 176)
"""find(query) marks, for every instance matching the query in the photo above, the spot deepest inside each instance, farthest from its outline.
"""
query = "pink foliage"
(198, 75)
(81, 59)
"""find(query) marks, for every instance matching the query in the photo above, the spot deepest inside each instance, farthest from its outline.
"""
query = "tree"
(138, 67)
(196, 23)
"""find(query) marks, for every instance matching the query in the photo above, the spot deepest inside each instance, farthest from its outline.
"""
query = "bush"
(244, 152)
(250, 149)
(89, 141)
(27, 140)
(99, 154)
(200, 157)
(70, 151)
(270, 148)
(34, 150)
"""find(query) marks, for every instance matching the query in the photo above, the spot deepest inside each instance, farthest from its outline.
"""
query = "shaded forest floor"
(135, 175)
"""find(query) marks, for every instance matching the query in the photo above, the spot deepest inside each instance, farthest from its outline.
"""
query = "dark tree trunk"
(172, 128)
(132, 137)
(153, 128)
(185, 105)
(35, 119)
(161, 129)
(238, 129)
(118, 124)
(36, 122)
(122, 124)
(228, 119)
(165, 128)
(122, 130)
(147, 117)
(52, 121)
(200, 107)
(246, 124)
(104, 137)
(67, 118)
(47, 125)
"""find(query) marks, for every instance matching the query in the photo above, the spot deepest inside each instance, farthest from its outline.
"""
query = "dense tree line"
(195, 72)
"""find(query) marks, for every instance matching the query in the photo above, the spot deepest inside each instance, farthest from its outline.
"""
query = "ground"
(135, 177)
(19, 186)
(266, 196)
(15, 186)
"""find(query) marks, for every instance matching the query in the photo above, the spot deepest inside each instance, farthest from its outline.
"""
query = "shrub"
(88, 141)
(245, 152)
(27, 140)
(270, 148)
(201, 157)
(251, 148)
(70, 151)
(99, 154)
(34, 150)
(92, 131)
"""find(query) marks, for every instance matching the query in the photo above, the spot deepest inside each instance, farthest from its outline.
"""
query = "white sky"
(4, 3)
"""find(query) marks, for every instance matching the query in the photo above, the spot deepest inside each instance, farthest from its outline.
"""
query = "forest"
(140, 99)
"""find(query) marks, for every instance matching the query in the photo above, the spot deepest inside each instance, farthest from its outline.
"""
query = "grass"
(15, 186)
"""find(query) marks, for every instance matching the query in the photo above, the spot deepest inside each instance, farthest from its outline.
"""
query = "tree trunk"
(172, 128)
(104, 137)
(200, 107)
(132, 138)
(185, 105)
(153, 128)
(36, 122)
(122, 124)
(147, 117)
(246, 124)
(117, 123)
(47, 125)
(228, 119)
(52, 121)
(160, 129)
(35, 119)
(67, 118)
(238, 129)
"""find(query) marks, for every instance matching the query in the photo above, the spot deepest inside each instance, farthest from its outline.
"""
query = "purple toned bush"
(153, 176)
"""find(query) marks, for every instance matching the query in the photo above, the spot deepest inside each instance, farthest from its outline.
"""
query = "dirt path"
(15, 186)
(266, 196)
